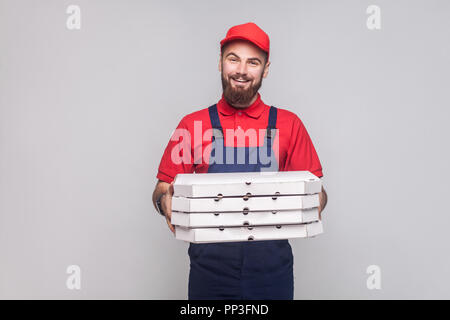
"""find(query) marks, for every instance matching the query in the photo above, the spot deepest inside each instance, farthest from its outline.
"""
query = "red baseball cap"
(250, 32)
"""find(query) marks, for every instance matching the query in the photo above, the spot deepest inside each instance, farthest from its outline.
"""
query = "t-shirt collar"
(254, 110)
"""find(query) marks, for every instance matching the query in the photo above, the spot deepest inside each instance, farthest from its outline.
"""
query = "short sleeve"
(302, 155)
(177, 157)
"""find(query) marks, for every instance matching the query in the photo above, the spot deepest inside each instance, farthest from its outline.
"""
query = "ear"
(220, 63)
(266, 69)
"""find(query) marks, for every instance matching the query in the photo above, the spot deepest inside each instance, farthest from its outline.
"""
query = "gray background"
(86, 114)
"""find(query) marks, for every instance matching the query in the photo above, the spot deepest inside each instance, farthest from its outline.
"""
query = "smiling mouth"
(240, 82)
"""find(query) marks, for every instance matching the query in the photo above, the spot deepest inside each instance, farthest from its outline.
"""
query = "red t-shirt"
(189, 148)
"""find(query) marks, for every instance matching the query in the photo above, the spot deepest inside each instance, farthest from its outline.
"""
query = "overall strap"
(272, 121)
(215, 122)
(217, 127)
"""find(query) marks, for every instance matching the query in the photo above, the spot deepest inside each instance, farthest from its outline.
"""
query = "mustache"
(240, 78)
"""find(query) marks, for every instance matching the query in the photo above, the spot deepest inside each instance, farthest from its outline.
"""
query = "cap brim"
(224, 41)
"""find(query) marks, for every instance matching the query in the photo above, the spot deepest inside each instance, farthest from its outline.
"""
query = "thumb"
(171, 188)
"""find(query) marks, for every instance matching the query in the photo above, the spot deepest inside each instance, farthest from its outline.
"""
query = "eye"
(254, 63)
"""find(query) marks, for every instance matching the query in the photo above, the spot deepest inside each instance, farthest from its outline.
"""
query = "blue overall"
(249, 269)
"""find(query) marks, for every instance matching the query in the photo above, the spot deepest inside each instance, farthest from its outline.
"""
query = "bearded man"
(250, 269)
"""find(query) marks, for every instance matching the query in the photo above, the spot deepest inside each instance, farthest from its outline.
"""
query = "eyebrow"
(234, 54)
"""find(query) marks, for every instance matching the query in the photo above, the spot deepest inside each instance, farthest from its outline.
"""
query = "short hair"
(225, 45)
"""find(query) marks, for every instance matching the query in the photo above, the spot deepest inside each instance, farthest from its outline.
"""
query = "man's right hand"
(166, 204)
(164, 191)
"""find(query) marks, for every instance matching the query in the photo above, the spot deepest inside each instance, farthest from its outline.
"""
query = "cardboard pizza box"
(259, 233)
(246, 218)
(195, 185)
(249, 203)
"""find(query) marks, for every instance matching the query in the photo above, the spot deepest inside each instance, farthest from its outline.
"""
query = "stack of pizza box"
(246, 206)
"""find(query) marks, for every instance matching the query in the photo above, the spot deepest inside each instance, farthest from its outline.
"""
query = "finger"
(167, 206)
(169, 222)
(168, 210)
(171, 227)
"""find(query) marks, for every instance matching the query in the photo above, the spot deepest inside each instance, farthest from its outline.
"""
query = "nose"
(242, 68)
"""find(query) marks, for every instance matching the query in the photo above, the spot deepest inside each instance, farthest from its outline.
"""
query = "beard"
(239, 95)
